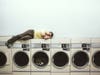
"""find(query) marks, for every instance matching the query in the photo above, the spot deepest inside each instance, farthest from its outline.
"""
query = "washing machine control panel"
(65, 46)
(83, 46)
(86, 46)
(45, 46)
(25, 47)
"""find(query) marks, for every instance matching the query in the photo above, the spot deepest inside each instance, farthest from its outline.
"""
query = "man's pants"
(29, 34)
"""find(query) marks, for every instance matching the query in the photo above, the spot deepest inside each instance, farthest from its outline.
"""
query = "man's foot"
(9, 45)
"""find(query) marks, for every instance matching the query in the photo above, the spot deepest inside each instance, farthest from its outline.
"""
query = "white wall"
(66, 18)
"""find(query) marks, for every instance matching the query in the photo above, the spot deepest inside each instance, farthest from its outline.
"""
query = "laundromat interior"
(74, 48)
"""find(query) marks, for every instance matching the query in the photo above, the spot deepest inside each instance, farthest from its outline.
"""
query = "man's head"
(51, 34)
(48, 35)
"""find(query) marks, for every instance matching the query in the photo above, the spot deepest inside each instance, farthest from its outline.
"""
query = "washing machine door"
(96, 59)
(21, 59)
(80, 59)
(3, 59)
(40, 59)
(60, 59)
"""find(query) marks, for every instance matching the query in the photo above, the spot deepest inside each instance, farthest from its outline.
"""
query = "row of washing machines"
(50, 57)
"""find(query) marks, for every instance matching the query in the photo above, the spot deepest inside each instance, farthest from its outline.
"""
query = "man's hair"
(52, 34)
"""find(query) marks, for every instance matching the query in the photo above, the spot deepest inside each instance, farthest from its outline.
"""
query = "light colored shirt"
(37, 35)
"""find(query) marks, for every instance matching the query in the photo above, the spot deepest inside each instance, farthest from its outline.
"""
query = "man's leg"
(28, 33)
(27, 37)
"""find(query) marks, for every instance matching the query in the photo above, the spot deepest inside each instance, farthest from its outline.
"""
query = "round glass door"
(3, 59)
(80, 59)
(60, 59)
(21, 59)
(96, 59)
(40, 59)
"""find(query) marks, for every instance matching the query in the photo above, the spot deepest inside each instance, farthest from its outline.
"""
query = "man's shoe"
(9, 45)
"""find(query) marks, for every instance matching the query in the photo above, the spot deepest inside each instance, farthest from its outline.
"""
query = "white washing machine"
(60, 56)
(5, 57)
(21, 58)
(95, 57)
(40, 57)
(80, 56)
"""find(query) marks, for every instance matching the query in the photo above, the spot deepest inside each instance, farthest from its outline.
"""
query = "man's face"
(47, 35)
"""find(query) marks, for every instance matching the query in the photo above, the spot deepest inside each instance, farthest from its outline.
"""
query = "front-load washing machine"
(95, 57)
(80, 56)
(40, 57)
(5, 57)
(60, 56)
(21, 58)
